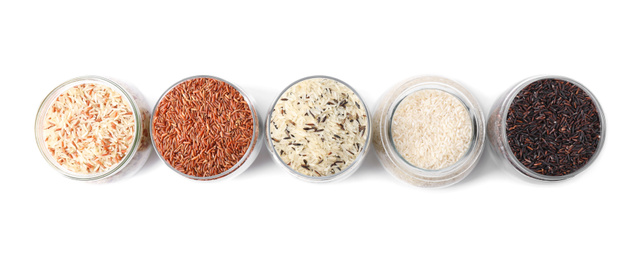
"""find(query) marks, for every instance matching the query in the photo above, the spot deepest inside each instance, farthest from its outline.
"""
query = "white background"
(265, 213)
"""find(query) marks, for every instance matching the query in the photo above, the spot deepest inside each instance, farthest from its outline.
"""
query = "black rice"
(553, 127)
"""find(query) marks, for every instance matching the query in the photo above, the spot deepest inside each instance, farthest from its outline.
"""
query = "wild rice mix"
(89, 128)
(318, 127)
(202, 127)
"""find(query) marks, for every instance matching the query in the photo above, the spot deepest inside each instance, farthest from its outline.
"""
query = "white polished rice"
(431, 129)
(318, 127)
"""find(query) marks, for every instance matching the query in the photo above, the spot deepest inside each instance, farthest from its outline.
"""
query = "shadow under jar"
(92, 128)
(206, 128)
(429, 131)
(318, 129)
(548, 128)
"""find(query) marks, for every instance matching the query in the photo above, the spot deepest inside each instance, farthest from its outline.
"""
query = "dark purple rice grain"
(553, 127)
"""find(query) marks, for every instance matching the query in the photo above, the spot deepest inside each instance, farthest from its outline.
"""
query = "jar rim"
(444, 88)
(45, 105)
(409, 173)
(347, 171)
(232, 171)
(505, 106)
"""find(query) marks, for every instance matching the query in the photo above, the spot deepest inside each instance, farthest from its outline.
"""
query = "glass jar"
(337, 176)
(499, 140)
(137, 152)
(251, 152)
(394, 162)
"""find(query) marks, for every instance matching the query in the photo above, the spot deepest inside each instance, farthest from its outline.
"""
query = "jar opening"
(310, 120)
(446, 94)
(249, 152)
(47, 104)
(554, 139)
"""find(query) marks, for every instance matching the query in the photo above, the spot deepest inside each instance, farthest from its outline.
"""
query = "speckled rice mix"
(89, 128)
(319, 127)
